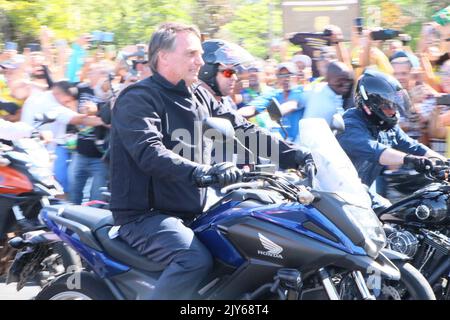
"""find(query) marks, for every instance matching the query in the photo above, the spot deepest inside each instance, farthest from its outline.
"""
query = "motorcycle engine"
(404, 242)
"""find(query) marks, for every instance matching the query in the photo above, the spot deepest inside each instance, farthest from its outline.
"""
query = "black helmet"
(217, 52)
(378, 91)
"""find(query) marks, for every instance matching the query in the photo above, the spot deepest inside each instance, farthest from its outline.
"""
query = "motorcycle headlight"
(370, 226)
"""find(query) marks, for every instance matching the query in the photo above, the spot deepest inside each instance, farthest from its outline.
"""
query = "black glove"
(309, 163)
(420, 164)
(224, 173)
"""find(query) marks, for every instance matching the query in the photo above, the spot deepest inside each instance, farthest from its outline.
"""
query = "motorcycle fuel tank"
(427, 207)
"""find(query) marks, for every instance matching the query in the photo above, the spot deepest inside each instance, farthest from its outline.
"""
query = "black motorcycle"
(419, 227)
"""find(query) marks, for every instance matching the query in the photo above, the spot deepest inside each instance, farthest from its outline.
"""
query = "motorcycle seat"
(118, 249)
(93, 218)
(100, 221)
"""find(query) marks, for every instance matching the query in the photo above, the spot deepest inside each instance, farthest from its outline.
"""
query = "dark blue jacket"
(149, 121)
(364, 143)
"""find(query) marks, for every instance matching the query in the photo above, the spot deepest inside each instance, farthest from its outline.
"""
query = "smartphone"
(443, 100)
(359, 24)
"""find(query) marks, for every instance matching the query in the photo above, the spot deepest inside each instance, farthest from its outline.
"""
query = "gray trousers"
(166, 240)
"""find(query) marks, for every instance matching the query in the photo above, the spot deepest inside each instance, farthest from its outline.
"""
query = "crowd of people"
(81, 82)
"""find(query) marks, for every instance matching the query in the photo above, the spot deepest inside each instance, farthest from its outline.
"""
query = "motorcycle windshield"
(335, 171)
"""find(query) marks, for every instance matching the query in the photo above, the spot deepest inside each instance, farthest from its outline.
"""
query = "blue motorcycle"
(271, 238)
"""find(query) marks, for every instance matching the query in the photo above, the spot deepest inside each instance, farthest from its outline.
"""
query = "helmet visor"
(395, 101)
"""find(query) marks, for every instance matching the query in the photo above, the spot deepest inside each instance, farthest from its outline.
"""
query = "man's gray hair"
(164, 38)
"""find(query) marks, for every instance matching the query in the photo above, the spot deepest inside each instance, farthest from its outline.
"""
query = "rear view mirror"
(274, 110)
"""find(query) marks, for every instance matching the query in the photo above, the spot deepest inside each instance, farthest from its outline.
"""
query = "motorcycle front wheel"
(411, 286)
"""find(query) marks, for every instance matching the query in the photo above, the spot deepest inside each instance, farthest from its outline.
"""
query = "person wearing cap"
(291, 97)
(303, 63)
(253, 86)
(406, 54)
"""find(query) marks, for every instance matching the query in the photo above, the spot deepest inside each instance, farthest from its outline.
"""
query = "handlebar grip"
(206, 181)
(310, 172)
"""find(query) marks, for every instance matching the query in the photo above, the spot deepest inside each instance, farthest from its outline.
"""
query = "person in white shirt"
(61, 100)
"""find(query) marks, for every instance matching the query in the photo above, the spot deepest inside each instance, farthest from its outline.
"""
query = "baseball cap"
(289, 66)
(302, 58)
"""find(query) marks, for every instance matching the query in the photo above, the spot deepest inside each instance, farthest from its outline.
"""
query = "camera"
(384, 34)
(359, 24)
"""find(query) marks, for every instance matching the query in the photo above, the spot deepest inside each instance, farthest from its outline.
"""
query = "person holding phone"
(365, 52)
(78, 57)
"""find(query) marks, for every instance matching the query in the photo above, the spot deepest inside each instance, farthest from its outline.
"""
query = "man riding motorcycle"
(373, 139)
(155, 171)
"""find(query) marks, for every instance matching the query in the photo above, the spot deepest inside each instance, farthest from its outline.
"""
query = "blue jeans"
(61, 166)
(82, 169)
(167, 241)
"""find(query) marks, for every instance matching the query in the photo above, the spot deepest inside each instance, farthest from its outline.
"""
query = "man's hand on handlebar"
(222, 174)
(420, 164)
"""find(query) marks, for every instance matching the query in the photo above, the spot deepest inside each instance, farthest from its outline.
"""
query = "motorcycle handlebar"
(440, 172)
(310, 171)
(206, 181)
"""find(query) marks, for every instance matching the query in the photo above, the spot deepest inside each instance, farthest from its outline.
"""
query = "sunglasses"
(228, 73)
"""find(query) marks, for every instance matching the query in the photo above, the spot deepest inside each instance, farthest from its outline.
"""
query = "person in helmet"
(373, 139)
(160, 154)
(222, 60)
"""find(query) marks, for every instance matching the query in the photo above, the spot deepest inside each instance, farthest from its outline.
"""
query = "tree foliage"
(252, 23)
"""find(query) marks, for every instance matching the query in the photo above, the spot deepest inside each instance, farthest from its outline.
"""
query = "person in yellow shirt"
(366, 54)
(9, 104)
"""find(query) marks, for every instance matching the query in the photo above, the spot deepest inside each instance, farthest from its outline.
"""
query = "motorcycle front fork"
(330, 288)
